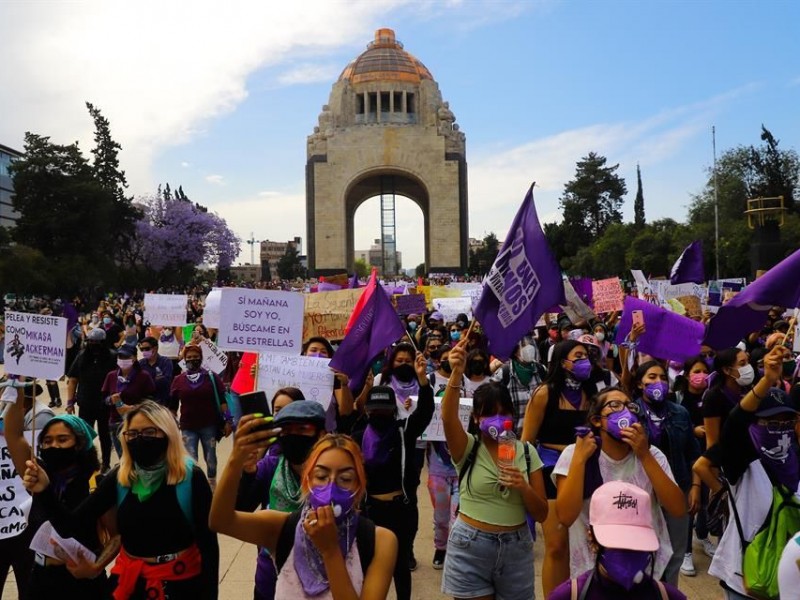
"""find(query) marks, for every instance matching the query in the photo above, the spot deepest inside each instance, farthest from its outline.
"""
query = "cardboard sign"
(410, 304)
(608, 295)
(692, 305)
(434, 432)
(211, 309)
(667, 335)
(15, 502)
(575, 308)
(35, 345)
(326, 313)
(308, 373)
(260, 321)
(165, 309)
(214, 359)
(452, 307)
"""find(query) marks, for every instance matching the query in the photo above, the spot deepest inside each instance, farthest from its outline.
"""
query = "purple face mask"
(618, 421)
(330, 494)
(625, 567)
(493, 426)
(656, 392)
(581, 369)
(777, 452)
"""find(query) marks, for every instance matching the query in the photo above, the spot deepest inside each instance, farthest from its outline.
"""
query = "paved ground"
(237, 561)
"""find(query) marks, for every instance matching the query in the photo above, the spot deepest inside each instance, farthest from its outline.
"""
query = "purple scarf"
(308, 562)
(376, 445)
(198, 380)
(404, 390)
(778, 455)
(573, 396)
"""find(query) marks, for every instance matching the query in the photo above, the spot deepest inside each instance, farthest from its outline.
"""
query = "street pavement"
(238, 560)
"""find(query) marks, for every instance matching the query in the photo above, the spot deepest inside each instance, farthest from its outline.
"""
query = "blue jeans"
(207, 436)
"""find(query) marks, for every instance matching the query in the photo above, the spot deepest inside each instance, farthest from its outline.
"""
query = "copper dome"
(385, 60)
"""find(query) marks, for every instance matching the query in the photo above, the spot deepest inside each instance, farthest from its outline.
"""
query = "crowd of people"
(626, 462)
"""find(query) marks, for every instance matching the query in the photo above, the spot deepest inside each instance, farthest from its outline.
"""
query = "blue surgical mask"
(455, 335)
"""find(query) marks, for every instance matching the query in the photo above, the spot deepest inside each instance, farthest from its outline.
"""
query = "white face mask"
(528, 354)
(600, 336)
(746, 375)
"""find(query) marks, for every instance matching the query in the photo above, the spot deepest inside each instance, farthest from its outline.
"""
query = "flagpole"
(716, 199)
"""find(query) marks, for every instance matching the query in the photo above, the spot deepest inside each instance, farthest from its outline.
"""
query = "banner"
(260, 321)
(667, 335)
(308, 373)
(434, 432)
(35, 345)
(15, 502)
(165, 309)
(452, 307)
(608, 295)
(214, 359)
(326, 313)
(410, 304)
(211, 309)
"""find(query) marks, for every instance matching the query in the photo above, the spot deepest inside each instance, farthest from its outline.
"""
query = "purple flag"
(374, 329)
(747, 311)
(523, 282)
(324, 286)
(353, 282)
(667, 335)
(689, 266)
(71, 314)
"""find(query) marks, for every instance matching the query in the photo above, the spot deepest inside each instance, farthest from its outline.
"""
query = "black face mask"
(296, 448)
(445, 366)
(477, 367)
(58, 459)
(404, 372)
(381, 422)
(148, 451)
(193, 365)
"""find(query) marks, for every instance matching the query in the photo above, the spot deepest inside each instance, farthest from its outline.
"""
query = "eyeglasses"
(618, 405)
(147, 432)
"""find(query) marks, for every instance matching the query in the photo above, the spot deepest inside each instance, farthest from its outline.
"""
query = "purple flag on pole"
(667, 335)
(376, 327)
(522, 284)
(747, 311)
(353, 282)
(689, 266)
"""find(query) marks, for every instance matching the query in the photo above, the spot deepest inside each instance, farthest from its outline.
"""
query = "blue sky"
(220, 98)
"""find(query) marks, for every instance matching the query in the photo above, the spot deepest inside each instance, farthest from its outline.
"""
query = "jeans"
(114, 429)
(444, 498)
(99, 415)
(699, 522)
(207, 436)
(678, 528)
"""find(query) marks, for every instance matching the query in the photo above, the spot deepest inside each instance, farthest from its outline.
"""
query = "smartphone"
(638, 317)
(254, 402)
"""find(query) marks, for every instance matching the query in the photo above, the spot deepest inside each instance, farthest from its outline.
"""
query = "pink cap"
(621, 517)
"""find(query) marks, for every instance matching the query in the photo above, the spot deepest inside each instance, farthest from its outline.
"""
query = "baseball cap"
(126, 350)
(301, 411)
(437, 316)
(589, 340)
(774, 403)
(96, 335)
(381, 397)
(621, 517)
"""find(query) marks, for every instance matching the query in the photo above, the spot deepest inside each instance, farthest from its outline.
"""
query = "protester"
(521, 375)
(733, 376)
(326, 550)
(623, 539)
(158, 367)
(495, 500)
(162, 502)
(477, 371)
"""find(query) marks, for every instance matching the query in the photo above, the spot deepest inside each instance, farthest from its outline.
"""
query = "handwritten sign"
(326, 313)
(260, 321)
(211, 309)
(667, 335)
(214, 359)
(47, 541)
(434, 432)
(408, 304)
(310, 374)
(35, 345)
(15, 502)
(692, 305)
(608, 295)
(165, 309)
(452, 307)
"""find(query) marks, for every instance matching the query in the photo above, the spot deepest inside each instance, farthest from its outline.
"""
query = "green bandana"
(524, 373)
(148, 481)
(79, 427)
(284, 492)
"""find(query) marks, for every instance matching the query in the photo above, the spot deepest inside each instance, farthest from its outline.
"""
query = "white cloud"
(309, 73)
(185, 164)
(215, 179)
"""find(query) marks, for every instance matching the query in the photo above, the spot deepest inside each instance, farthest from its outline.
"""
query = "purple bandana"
(777, 453)
(377, 444)
(573, 396)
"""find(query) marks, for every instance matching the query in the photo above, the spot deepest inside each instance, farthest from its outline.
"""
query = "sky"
(220, 97)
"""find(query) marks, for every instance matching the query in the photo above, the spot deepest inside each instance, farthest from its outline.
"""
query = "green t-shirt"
(482, 499)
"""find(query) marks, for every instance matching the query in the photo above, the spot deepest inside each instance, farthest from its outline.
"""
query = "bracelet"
(753, 391)
(455, 387)
(696, 485)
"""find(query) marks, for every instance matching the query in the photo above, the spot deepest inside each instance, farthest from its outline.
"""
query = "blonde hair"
(348, 445)
(164, 420)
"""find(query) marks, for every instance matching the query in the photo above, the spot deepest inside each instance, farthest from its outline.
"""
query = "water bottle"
(506, 449)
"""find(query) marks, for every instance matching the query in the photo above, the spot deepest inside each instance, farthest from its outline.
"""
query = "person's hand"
(83, 568)
(35, 479)
(585, 447)
(369, 381)
(70, 409)
(694, 499)
(251, 462)
(407, 403)
(421, 367)
(457, 358)
(227, 429)
(320, 526)
(114, 398)
(773, 364)
(700, 432)
(636, 437)
(248, 439)
(512, 478)
(124, 409)
(637, 331)
(342, 378)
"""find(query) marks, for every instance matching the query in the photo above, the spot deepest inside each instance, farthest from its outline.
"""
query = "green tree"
(482, 258)
(655, 248)
(606, 257)
(289, 265)
(361, 267)
(420, 270)
(638, 203)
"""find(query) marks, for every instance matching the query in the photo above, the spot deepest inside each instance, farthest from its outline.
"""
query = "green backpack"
(762, 555)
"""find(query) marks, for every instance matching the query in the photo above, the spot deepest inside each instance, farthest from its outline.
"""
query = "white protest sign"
(165, 309)
(452, 307)
(261, 321)
(214, 359)
(47, 541)
(35, 345)
(641, 282)
(308, 373)
(211, 309)
(434, 432)
(15, 502)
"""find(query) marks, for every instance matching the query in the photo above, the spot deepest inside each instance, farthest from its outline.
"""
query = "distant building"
(374, 257)
(271, 254)
(246, 273)
(8, 216)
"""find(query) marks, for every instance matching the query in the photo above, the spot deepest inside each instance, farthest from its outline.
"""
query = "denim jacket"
(684, 448)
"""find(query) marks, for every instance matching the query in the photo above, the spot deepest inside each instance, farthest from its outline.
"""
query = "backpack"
(365, 541)
(583, 592)
(760, 557)
(183, 491)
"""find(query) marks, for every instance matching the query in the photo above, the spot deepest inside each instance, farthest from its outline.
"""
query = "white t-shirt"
(753, 497)
(628, 469)
(789, 570)
(470, 386)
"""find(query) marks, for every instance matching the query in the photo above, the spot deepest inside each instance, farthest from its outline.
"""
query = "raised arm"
(15, 415)
(423, 413)
(569, 497)
(534, 414)
(453, 430)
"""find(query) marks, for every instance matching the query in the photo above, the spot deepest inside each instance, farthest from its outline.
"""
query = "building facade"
(8, 216)
(271, 254)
